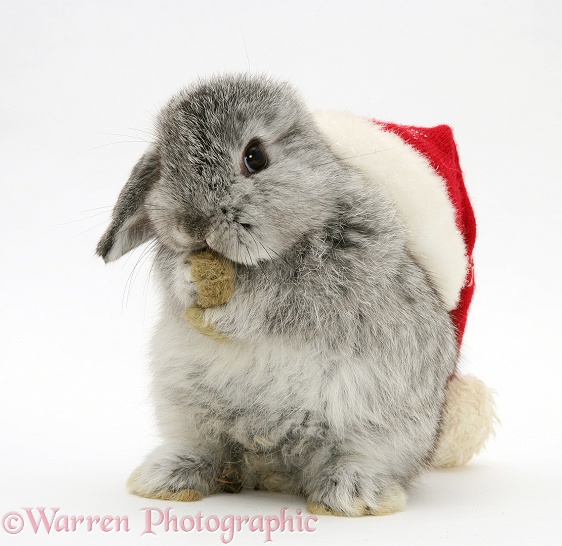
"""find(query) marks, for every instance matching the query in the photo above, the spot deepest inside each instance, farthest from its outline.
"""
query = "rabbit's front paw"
(213, 276)
(168, 476)
(352, 496)
(196, 317)
(137, 486)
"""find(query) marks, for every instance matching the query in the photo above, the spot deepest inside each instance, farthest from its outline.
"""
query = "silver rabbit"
(328, 378)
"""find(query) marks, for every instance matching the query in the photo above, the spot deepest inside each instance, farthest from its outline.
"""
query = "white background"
(76, 75)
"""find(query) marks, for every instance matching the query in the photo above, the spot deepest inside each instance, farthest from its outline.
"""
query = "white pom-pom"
(468, 421)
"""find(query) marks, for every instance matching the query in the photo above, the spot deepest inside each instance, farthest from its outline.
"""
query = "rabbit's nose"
(196, 225)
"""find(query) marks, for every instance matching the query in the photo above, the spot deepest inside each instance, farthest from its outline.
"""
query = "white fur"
(419, 193)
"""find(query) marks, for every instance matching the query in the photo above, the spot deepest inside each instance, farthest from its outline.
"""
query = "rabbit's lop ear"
(130, 225)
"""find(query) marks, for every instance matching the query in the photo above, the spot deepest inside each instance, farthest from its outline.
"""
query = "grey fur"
(334, 382)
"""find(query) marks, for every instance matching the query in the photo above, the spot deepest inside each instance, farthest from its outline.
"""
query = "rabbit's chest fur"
(244, 391)
(276, 398)
(274, 405)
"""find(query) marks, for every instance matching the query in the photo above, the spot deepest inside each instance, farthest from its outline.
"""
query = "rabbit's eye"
(255, 158)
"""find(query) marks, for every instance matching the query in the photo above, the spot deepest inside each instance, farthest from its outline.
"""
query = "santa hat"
(418, 168)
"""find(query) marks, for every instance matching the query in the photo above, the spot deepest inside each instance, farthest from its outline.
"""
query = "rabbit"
(301, 347)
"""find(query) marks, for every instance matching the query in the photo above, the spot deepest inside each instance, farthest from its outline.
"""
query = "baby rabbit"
(301, 346)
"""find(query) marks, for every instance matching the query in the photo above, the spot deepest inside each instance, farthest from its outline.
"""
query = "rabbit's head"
(237, 166)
